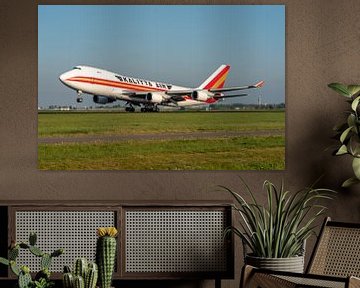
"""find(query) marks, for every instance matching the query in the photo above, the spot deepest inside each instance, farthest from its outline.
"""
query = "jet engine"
(199, 96)
(102, 99)
(156, 98)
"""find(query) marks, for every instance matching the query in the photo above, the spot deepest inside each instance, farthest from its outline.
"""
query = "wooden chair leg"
(217, 283)
(246, 273)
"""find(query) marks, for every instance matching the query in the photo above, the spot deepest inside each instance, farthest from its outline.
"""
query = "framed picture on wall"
(161, 87)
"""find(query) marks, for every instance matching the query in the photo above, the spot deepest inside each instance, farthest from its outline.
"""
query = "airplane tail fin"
(217, 79)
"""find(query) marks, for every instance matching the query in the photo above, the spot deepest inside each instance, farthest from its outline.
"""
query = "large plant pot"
(291, 264)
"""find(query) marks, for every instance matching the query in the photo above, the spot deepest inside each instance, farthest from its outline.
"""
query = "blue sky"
(177, 44)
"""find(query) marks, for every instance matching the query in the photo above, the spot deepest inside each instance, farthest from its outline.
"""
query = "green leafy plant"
(42, 278)
(43, 283)
(279, 229)
(349, 131)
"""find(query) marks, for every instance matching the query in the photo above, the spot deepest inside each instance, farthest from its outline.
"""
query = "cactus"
(80, 267)
(89, 272)
(57, 252)
(36, 251)
(24, 279)
(68, 280)
(14, 268)
(4, 261)
(67, 269)
(105, 254)
(42, 278)
(24, 245)
(91, 276)
(32, 239)
(79, 282)
(45, 261)
(13, 253)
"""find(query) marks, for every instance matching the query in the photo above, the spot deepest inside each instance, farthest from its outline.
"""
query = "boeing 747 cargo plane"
(107, 87)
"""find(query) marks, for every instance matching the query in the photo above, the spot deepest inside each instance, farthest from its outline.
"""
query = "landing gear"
(148, 108)
(130, 109)
(79, 99)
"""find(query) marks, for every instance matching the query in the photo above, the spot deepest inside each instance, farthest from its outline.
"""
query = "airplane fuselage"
(99, 82)
(108, 87)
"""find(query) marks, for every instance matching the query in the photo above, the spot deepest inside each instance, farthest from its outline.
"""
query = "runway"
(160, 136)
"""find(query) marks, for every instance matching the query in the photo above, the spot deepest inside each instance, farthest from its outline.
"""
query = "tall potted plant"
(276, 233)
(349, 131)
(106, 254)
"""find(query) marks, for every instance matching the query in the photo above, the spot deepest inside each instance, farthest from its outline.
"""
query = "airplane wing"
(229, 96)
(257, 85)
(189, 91)
(141, 97)
(179, 92)
(130, 93)
(175, 96)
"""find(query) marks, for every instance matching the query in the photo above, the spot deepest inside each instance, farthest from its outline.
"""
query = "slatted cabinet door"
(156, 241)
(175, 242)
(73, 229)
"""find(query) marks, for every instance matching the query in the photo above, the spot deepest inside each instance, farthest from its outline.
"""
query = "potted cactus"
(84, 275)
(42, 278)
(106, 254)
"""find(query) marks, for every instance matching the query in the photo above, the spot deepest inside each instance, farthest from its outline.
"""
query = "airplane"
(107, 87)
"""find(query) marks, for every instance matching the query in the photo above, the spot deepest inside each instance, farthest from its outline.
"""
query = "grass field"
(253, 152)
(68, 124)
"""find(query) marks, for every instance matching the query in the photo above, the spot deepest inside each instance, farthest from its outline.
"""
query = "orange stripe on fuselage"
(116, 84)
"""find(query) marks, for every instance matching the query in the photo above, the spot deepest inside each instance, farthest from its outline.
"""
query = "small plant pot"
(291, 264)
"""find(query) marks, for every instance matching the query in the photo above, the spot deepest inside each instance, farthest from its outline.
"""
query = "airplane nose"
(62, 77)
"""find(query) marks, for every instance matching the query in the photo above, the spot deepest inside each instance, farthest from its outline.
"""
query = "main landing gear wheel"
(129, 109)
(150, 109)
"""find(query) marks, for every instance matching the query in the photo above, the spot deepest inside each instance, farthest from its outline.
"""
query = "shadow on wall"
(331, 170)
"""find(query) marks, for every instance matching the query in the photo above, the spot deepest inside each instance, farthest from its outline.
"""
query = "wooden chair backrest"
(337, 251)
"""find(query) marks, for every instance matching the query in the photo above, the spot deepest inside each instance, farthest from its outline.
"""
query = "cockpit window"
(77, 67)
